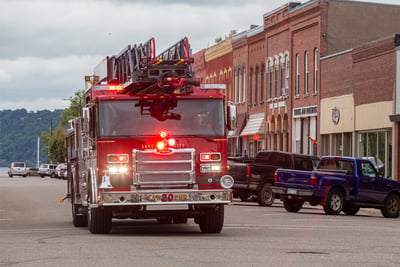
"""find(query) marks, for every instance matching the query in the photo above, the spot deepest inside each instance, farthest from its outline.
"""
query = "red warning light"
(163, 134)
(160, 145)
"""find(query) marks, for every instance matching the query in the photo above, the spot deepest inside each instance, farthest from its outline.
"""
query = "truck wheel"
(293, 205)
(52, 175)
(391, 206)
(99, 220)
(212, 220)
(334, 202)
(350, 209)
(265, 196)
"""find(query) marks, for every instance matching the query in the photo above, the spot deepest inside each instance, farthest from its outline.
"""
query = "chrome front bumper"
(163, 197)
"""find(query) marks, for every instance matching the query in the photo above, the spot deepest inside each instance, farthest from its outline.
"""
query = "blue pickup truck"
(338, 184)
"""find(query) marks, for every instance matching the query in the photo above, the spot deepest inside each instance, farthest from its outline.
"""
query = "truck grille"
(154, 170)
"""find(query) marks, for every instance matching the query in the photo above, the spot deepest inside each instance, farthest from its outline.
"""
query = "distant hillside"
(19, 131)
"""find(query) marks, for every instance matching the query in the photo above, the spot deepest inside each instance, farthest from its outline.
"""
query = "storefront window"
(376, 146)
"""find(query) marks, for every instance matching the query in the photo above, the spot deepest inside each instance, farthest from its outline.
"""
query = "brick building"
(357, 103)
(280, 92)
(296, 36)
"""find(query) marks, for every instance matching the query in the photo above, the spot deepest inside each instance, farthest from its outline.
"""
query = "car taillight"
(248, 170)
(313, 180)
(276, 176)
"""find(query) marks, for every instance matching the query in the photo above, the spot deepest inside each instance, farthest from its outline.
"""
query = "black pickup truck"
(254, 179)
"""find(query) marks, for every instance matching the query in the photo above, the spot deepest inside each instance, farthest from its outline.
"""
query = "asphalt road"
(36, 230)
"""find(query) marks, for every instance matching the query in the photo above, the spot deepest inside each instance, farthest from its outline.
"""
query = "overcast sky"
(48, 46)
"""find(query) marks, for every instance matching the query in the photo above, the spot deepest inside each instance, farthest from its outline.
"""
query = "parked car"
(61, 171)
(17, 168)
(339, 184)
(33, 171)
(253, 180)
(47, 170)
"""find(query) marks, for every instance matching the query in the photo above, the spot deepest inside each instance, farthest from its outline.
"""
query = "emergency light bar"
(208, 86)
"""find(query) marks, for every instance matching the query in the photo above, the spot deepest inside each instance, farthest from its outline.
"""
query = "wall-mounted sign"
(309, 111)
(335, 115)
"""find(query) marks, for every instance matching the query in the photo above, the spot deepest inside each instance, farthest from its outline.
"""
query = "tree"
(55, 148)
(54, 141)
(76, 104)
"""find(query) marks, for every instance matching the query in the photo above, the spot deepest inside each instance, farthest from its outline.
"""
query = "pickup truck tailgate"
(287, 177)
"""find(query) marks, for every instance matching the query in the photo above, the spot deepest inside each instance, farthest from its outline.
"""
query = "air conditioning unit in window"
(284, 91)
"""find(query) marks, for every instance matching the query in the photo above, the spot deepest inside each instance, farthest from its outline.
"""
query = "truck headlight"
(118, 169)
(226, 181)
(210, 168)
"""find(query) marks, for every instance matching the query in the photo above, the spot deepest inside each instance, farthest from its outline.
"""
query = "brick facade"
(289, 46)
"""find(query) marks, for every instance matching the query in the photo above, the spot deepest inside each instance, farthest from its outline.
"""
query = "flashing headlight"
(226, 181)
(118, 169)
(211, 156)
(210, 168)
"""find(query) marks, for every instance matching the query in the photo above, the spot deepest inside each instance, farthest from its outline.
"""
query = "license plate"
(292, 191)
(173, 197)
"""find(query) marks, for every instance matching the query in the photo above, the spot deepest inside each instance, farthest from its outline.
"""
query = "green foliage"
(54, 143)
(19, 131)
(77, 102)
(55, 148)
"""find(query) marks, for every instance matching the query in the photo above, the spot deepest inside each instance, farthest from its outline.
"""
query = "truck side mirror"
(231, 116)
(86, 119)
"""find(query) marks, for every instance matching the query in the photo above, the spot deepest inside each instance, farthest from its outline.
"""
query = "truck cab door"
(369, 184)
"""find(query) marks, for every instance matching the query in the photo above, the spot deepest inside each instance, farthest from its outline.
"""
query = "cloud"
(48, 46)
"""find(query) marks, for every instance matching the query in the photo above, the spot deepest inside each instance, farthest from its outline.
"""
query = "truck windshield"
(184, 117)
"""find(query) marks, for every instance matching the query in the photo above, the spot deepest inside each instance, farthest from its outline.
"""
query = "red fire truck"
(150, 143)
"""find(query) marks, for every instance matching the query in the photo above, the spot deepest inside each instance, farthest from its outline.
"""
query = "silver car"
(17, 168)
(47, 170)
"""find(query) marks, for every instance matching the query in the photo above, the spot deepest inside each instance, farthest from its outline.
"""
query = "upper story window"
(244, 85)
(256, 85)
(287, 72)
(251, 86)
(297, 85)
(316, 60)
(262, 82)
(306, 73)
(236, 86)
(276, 69)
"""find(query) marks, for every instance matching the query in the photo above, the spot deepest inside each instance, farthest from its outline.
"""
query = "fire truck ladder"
(141, 72)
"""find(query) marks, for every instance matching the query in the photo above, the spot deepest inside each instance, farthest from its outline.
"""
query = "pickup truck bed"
(254, 180)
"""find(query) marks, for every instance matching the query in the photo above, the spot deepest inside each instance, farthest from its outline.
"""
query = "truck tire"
(350, 209)
(99, 220)
(212, 219)
(265, 196)
(293, 205)
(334, 202)
(391, 206)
